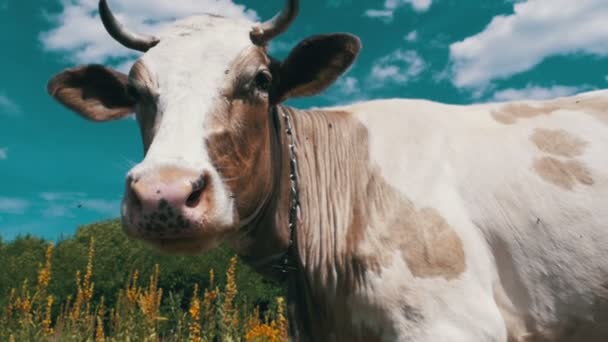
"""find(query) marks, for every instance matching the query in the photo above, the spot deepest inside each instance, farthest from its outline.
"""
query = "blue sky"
(58, 171)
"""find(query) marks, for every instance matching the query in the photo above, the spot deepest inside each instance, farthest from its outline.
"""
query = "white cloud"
(65, 204)
(10, 205)
(418, 5)
(61, 196)
(412, 36)
(399, 67)
(390, 6)
(106, 207)
(532, 92)
(345, 91)
(57, 211)
(348, 86)
(79, 31)
(3, 153)
(518, 42)
(384, 15)
(8, 106)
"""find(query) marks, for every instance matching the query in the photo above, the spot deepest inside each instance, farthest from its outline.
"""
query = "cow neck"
(268, 236)
(333, 170)
(336, 181)
(290, 265)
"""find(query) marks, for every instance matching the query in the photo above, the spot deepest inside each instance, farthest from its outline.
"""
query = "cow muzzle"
(168, 204)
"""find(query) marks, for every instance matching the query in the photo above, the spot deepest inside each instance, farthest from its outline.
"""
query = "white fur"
(189, 66)
(477, 172)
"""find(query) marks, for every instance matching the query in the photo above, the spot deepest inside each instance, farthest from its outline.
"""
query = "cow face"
(202, 96)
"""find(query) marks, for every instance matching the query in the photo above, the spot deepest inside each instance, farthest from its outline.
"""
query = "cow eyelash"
(262, 81)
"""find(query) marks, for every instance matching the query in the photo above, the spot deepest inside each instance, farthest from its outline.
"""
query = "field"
(41, 302)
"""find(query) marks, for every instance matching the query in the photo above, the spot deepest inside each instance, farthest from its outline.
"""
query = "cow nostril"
(194, 198)
(197, 190)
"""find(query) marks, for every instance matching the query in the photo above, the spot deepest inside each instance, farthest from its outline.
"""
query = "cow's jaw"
(175, 199)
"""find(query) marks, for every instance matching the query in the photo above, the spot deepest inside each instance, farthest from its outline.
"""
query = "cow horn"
(125, 37)
(263, 33)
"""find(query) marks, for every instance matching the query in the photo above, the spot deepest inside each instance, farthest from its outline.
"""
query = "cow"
(387, 220)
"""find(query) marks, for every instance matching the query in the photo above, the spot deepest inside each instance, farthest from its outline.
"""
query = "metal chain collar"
(288, 262)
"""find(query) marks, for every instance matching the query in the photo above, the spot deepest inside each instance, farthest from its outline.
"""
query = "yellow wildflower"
(46, 323)
(133, 289)
(44, 274)
(230, 314)
(282, 320)
(263, 332)
(99, 333)
(195, 315)
(150, 299)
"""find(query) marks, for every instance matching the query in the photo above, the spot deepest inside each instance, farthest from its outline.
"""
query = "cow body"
(419, 221)
(433, 222)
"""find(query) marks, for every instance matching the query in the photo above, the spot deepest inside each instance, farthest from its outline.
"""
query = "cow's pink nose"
(176, 188)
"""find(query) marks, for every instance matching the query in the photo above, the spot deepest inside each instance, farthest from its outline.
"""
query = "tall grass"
(142, 312)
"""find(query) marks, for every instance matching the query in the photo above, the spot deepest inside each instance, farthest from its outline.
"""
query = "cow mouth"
(181, 245)
(182, 239)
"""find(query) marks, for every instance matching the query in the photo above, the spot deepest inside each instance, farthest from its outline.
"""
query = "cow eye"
(263, 80)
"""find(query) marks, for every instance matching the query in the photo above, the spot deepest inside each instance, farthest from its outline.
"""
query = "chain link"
(288, 262)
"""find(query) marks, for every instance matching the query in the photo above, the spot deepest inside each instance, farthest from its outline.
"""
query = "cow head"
(202, 94)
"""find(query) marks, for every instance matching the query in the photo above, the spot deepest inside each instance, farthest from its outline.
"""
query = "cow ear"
(315, 63)
(95, 92)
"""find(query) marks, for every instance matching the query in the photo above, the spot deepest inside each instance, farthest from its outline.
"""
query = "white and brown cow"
(419, 221)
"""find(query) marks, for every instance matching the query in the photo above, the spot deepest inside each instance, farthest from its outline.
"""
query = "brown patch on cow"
(558, 142)
(596, 106)
(242, 146)
(563, 174)
(429, 245)
(344, 247)
(503, 117)
(240, 141)
(510, 113)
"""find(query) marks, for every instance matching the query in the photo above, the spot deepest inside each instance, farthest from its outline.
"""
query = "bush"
(90, 287)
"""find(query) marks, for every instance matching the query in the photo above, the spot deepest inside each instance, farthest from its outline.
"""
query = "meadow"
(100, 286)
